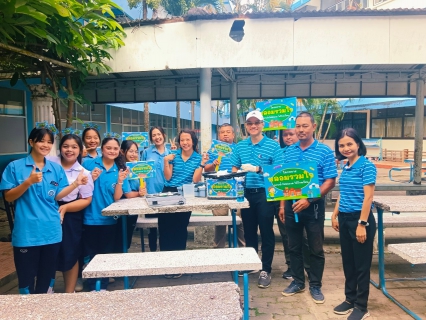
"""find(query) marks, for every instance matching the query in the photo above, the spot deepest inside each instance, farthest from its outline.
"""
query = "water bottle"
(240, 191)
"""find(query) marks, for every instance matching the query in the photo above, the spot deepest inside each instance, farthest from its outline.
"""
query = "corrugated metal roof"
(294, 14)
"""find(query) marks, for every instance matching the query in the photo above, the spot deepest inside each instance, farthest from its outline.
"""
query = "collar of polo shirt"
(358, 163)
(29, 161)
(313, 145)
(260, 143)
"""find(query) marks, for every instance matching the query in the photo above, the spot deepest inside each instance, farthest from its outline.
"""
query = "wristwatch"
(363, 223)
(202, 166)
(259, 170)
(311, 200)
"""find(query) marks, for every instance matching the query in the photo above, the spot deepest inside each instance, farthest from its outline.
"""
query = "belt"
(254, 190)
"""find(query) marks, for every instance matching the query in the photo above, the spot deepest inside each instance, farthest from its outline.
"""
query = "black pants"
(305, 247)
(312, 220)
(260, 216)
(173, 228)
(36, 261)
(98, 240)
(356, 258)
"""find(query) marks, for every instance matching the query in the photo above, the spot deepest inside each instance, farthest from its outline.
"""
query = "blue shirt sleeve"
(126, 186)
(63, 180)
(8, 179)
(235, 157)
(329, 166)
(369, 173)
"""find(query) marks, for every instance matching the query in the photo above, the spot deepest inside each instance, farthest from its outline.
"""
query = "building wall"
(396, 4)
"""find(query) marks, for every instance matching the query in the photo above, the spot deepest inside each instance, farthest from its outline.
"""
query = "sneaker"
(316, 294)
(79, 285)
(241, 273)
(264, 280)
(173, 276)
(344, 308)
(288, 274)
(357, 314)
(292, 289)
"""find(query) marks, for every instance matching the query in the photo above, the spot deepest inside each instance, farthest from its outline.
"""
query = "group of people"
(58, 201)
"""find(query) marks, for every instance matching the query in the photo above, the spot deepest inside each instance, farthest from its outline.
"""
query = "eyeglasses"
(132, 152)
(248, 124)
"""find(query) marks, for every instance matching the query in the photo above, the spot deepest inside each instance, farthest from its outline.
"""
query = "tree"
(181, 7)
(62, 41)
(320, 108)
(246, 6)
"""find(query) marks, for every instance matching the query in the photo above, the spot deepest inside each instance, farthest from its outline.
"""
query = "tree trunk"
(144, 10)
(70, 102)
(192, 115)
(178, 117)
(322, 121)
(328, 128)
(146, 116)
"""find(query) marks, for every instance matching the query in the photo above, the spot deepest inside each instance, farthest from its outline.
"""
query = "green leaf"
(40, 33)
(62, 11)
(32, 12)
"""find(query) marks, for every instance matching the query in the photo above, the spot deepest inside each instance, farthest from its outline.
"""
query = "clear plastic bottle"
(240, 191)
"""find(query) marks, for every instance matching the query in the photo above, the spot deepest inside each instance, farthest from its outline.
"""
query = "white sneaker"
(79, 285)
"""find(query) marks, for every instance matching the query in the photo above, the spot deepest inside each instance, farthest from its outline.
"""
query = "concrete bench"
(194, 221)
(220, 300)
(175, 262)
(415, 253)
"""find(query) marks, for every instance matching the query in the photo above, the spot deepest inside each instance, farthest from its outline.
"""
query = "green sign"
(278, 114)
(141, 169)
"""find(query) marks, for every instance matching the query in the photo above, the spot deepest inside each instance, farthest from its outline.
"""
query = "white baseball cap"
(256, 114)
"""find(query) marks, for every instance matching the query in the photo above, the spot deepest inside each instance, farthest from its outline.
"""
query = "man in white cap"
(251, 155)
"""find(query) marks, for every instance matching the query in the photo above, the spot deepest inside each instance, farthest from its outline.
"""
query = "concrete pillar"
(418, 140)
(205, 108)
(42, 109)
(233, 107)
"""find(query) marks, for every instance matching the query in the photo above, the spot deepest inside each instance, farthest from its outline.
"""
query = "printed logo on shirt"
(51, 193)
(54, 183)
(113, 185)
(23, 250)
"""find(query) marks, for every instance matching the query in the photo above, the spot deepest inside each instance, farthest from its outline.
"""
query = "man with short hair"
(251, 155)
(311, 211)
(226, 134)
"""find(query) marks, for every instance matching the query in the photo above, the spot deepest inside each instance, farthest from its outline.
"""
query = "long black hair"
(37, 135)
(119, 161)
(74, 137)
(193, 138)
(351, 133)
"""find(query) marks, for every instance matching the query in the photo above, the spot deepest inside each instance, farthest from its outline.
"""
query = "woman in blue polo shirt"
(109, 173)
(35, 184)
(354, 220)
(71, 208)
(181, 168)
(156, 153)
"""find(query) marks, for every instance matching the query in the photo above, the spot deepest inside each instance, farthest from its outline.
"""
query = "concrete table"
(395, 204)
(139, 206)
(209, 301)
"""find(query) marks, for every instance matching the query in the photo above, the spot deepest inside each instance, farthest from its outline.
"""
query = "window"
(83, 112)
(377, 2)
(127, 117)
(12, 102)
(409, 127)
(98, 112)
(134, 115)
(117, 128)
(116, 115)
(378, 127)
(394, 128)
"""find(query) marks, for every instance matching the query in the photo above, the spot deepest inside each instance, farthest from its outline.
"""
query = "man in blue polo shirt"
(251, 155)
(311, 211)
(226, 134)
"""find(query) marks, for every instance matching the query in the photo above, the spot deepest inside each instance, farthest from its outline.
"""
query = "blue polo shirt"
(265, 152)
(103, 194)
(317, 152)
(352, 182)
(155, 184)
(37, 220)
(225, 163)
(89, 157)
(183, 171)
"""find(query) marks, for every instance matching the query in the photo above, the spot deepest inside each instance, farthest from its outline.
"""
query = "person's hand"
(205, 158)
(82, 179)
(300, 205)
(123, 175)
(361, 234)
(84, 153)
(35, 177)
(169, 157)
(334, 223)
(62, 210)
(96, 173)
(172, 145)
(281, 215)
(248, 167)
(215, 162)
(142, 192)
